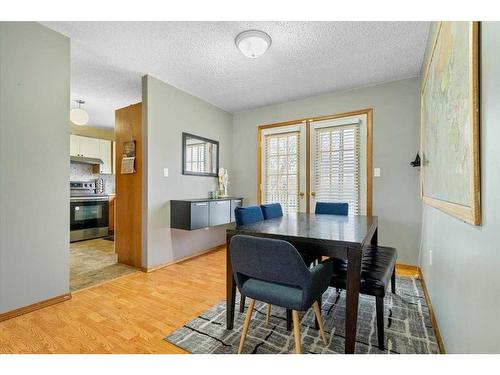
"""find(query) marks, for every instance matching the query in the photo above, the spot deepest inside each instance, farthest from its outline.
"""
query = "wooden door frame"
(306, 122)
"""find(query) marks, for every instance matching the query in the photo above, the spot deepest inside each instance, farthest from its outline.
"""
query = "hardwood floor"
(127, 315)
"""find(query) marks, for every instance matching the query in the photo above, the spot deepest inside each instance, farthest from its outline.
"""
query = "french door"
(283, 171)
(317, 160)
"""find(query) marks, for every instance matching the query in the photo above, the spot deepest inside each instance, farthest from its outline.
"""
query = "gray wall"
(167, 112)
(463, 278)
(395, 142)
(34, 159)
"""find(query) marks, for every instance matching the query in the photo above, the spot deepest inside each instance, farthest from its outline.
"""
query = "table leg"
(374, 240)
(230, 287)
(352, 298)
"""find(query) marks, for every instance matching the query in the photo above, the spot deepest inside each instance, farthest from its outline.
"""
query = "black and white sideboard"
(190, 214)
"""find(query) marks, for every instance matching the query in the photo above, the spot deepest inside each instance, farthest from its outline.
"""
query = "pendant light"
(79, 116)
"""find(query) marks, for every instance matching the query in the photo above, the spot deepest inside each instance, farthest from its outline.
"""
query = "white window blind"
(337, 165)
(195, 157)
(282, 170)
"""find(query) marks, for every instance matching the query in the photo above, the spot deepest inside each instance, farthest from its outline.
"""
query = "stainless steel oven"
(89, 214)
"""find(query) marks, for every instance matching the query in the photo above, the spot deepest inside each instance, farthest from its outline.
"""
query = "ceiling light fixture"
(79, 116)
(253, 43)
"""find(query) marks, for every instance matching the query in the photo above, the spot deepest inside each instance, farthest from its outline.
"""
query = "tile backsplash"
(83, 172)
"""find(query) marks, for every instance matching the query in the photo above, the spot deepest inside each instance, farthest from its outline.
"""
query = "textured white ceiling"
(305, 59)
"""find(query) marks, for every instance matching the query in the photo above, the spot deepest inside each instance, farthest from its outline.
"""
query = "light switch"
(376, 172)
(165, 172)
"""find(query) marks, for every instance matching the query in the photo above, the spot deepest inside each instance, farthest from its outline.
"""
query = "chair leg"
(288, 319)
(316, 323)
(268, 313)
(317, 311)
(242, 303)
(245, 326)
(393, 280)
(379, 301)
(296, 331)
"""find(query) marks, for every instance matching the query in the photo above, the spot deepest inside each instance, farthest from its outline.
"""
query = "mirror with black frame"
(200, 156)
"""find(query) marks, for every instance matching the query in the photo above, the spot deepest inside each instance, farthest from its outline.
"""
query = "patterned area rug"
(408, 327)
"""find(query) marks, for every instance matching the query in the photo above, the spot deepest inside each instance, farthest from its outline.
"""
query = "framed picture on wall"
(450, 170)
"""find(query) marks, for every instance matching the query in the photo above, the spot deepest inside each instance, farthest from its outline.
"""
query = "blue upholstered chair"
(271, 210)
(248, 215)
(327, 208)
(273, 271)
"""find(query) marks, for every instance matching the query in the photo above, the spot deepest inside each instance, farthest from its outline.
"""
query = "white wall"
(34, 159)
(167, 112)
(395, 142)
(463, 278)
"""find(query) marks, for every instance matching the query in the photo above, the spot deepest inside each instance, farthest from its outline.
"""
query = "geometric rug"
(408, 328)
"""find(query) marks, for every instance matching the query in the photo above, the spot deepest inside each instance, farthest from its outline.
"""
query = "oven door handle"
(87, 199)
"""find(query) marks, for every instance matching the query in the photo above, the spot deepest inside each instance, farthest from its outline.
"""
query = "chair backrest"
(266, 259)
(271, 210)
(328, 208)
(247, 215)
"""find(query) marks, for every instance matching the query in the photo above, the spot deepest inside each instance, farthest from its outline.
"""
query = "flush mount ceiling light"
(253, 43)
(79, 116)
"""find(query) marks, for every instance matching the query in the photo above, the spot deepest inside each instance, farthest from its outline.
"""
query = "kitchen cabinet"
(89, 147)
(74, 145)
(95, 148)
(106, 156)
(84, 146)
(194, 214)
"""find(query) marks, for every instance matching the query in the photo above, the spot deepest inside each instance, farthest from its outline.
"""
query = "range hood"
(85, 160)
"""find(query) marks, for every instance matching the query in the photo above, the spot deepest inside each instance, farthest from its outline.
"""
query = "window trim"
(305, 122)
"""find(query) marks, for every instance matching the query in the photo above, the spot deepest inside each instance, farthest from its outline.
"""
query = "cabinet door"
(74, 145)
(235, 203)
(89, 147)
(199, 215)
(220, 212)
(105, 156)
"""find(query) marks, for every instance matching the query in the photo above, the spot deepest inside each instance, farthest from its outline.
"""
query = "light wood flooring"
(128, 315)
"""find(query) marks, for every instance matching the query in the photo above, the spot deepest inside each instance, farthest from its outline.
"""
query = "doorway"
(319, 159)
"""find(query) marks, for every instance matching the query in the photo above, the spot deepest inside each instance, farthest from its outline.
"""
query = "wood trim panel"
(128, 201)
(317, 118)
(306, 121)
(439, 338)
(406, 269)
(369, 162)
(308, 167)
(472, 214)
(198, 254)
(36, 306)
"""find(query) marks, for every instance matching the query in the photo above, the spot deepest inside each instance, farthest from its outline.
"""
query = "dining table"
(336, 236)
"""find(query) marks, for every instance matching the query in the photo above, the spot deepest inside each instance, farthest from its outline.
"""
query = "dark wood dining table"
(335, 236)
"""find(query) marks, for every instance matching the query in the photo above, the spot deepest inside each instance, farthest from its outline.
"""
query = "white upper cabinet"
(90, 147)
(93, 148)
(74, 145)
(105, 156)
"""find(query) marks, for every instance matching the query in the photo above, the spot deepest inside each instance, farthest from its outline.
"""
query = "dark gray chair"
(273, 271)
(378, 268)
